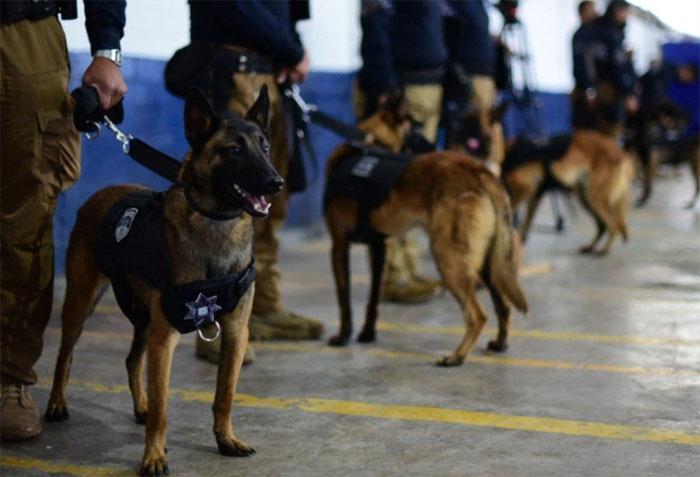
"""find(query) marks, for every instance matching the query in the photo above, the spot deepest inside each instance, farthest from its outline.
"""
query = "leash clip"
(294, 93)
(90, 135)
(122, 137)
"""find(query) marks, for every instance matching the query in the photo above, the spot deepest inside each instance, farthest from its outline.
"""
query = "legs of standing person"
(40, 158)
(403, 281)
(484, 97)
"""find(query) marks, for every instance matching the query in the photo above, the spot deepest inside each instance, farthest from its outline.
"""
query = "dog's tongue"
(257, 202)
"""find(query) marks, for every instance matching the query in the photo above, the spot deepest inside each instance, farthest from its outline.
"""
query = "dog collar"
(218, 216)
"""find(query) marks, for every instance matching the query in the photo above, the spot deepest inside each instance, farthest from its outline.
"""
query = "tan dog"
(466, 213)
(207, 227)
(594, 166)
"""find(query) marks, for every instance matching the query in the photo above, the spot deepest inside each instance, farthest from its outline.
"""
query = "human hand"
(300, 71)
(631, 104)
(107, 79)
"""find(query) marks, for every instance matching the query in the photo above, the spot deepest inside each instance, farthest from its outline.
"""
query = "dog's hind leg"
(648, 162)
(474, 317)
(340, 256)
(134, 368)
(503, 311)
(161, 339)
(234, 341)
(377, 250)
(599, 222)
(84, 287)
(532, 207)
(602, 209)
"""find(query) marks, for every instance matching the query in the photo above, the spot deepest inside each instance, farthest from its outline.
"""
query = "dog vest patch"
(367, 176)
(131, 239)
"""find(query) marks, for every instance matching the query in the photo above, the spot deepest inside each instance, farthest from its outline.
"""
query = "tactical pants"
(39, 158)
(268, 296)
(424, 103)
(484, 99)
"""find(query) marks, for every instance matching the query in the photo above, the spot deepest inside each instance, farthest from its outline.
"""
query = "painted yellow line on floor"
(528, 334)
(435, 415)
(383, 353)
(540, 335)
(53, 467)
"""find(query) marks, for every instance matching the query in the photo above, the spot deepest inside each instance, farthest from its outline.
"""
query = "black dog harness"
(525, 151)
(367, 176)
(131, 239)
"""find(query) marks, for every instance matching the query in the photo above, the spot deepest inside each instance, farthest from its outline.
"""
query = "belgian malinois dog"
(226, 173)
(592, 164)
(466, 213)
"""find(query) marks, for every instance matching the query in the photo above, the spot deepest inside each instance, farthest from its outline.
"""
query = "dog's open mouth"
(255, 205)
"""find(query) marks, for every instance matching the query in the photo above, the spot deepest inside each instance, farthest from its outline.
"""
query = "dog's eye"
(234, 151)
(264, 144)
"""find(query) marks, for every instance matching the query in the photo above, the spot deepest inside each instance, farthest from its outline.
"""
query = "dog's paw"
(56, 413)
(586, 250)
(367, 336)
(154, 467)
(234, 447)
(601, 253)
(497, 346)
(449, 360)
(140, 417)
(339, 339)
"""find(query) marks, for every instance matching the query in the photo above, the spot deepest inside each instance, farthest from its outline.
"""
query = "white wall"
(156, 28)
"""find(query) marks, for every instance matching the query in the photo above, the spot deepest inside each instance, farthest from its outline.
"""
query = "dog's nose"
(274, 184)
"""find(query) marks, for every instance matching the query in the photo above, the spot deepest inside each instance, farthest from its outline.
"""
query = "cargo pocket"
(60, 151)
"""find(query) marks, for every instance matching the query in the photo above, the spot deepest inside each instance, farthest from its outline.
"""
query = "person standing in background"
(40, 158)
(403, 47)
(473, 53)
(260, 46)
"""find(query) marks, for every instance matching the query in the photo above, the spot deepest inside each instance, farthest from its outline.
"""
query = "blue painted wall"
(155, 116)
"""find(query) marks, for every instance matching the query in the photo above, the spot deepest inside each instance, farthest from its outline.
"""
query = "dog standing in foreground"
(466, 213)
(589, 163)
(207, 230)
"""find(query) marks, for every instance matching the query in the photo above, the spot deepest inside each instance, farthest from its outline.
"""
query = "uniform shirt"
(418, 38)
(601, 57)
(104, 22)
(265, 26)
(470, 43)
(377, 75)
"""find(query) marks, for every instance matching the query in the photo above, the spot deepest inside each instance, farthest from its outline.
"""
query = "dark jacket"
(104, 22)
(417, 38)
(265, 26)
(377, 74)
(599, 56)
(469, 40)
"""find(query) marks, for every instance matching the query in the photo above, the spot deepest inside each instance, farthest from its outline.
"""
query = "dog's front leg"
(160, 344)
(234, 340)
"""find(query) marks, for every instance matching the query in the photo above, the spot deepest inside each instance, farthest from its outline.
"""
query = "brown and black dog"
(466, 214)
(227, 173)
(590, 163)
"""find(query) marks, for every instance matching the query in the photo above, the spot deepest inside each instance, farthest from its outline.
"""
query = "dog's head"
(472, 131)
(391, 124)
(229, 163)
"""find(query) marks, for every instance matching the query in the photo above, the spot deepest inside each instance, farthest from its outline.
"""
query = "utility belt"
(18, 10)
(198, 64)
(421, 76)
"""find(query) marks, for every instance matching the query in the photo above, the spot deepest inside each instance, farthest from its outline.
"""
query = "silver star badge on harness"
(202, 310)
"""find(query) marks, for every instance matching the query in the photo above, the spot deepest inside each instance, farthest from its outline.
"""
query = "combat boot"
(283, 325)
(19, 416)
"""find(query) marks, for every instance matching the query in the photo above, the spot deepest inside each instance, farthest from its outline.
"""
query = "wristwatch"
(114, 55)
(591, 93)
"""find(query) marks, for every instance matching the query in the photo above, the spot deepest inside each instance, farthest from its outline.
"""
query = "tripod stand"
(518, 80)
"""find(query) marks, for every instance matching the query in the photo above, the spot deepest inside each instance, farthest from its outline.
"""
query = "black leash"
(311, 113)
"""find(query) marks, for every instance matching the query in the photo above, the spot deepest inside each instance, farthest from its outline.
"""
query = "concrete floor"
(601, 379)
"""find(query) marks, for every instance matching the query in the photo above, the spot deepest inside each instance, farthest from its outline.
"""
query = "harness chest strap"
(131, 240)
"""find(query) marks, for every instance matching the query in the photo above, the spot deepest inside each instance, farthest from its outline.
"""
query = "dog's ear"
(497, 113)
(200, 121)
(394, 103)
(259, 113)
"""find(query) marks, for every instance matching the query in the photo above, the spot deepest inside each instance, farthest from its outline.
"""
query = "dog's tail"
(502, 263)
